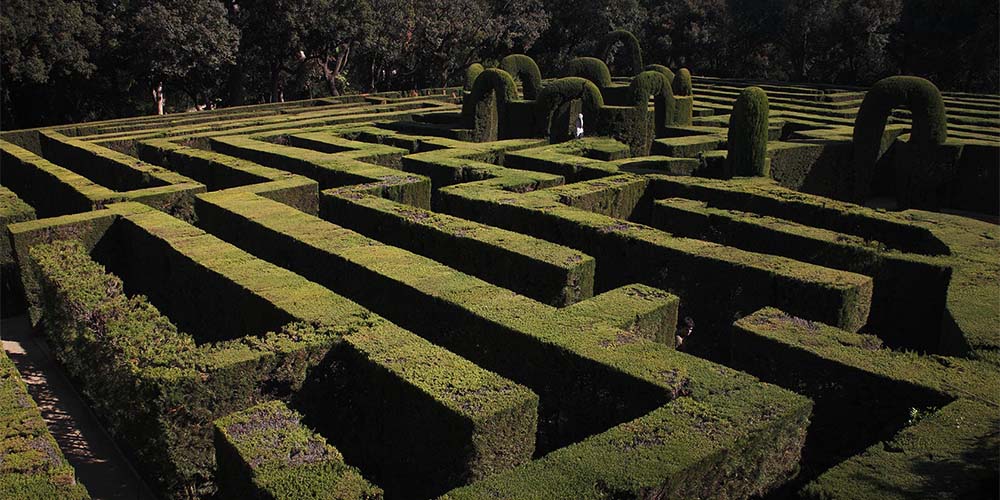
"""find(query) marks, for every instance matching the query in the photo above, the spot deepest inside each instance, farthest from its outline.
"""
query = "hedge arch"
(656, 84)
(661, 69)
(564, 90)
(471, 73)
(682, 83)
(929, 129)
(591, 68)
(482, 114)
(524, 68)
(631, 47)
(747, 136)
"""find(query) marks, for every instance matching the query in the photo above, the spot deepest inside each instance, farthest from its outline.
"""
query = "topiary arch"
(662, 69)
(654, 83)
(930, 126)
(632, 49)
(524, 68)
(564, 90)
(471, 73)
(480, 112)
(591, 68)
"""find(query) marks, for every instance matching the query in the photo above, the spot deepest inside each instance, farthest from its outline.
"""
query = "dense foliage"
(75, 60)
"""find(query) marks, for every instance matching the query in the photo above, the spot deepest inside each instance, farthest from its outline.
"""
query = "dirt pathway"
(99, 464)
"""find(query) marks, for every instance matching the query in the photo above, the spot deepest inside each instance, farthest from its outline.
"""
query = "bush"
(524, 68)
(748, 134)
(471, 73)
(930, 127)
(591, 68)
(631, 48)
(682, 83)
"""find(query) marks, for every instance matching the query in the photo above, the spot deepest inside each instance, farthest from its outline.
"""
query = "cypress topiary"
(682, 83)
(471, 73)
(930, 126)
(590, 68)
(479, 111)
(662, 69)
(525, 69)
(632, 49)
(748, 134)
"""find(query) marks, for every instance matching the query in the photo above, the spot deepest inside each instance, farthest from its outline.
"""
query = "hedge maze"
(441, 294)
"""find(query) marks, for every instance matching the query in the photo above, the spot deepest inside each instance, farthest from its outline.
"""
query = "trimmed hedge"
(471, 73)
(12, 210)
(591, 68)
(52, 190)
(930, 129)
(747, 137)
(541, 270)
(524, 68)
(159, 391)
(483, 108)
(656, 84)
(875, 391)
(32, 467)
(682, 83)
(661, 69)
(631, 50)
(556, 96)
(265, 452)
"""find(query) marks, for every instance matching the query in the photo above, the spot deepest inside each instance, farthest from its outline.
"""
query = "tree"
(180, 43)
(41, 42)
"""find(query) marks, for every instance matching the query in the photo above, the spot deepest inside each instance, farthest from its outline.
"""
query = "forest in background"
(65, 61)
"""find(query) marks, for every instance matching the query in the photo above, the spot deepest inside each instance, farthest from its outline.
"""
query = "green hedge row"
(51, 189)
(543, 271)
(330, 170)
(264, 452)
(601, 347)
(14, 209)
(159, 389)
(876, 392)
(32, 466)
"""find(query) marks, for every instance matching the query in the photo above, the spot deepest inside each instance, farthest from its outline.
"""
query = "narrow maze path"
(99, 464)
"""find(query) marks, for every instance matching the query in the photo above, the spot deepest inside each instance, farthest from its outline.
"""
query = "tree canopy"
(73, 60)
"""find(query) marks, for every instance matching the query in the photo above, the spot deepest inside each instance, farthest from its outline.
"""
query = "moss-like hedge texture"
(31, 465)
(656, 84)
(591, 68)
(748, 134)
(266, 453)
(631, 52)
(661, 69)
(524, 68)
(12, 209)
(483, 108)
(930, 129)
(682, 83)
